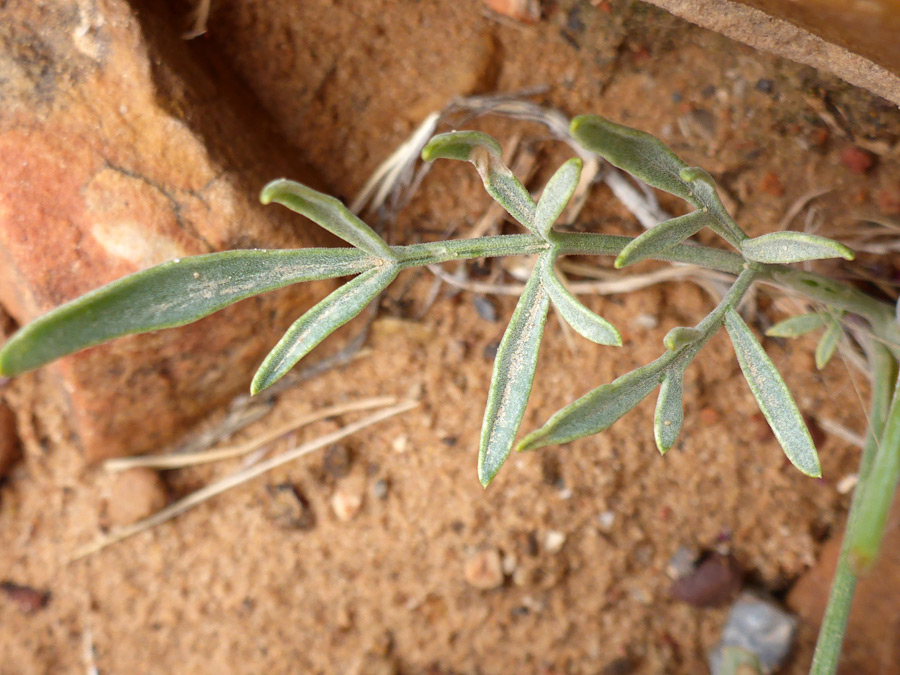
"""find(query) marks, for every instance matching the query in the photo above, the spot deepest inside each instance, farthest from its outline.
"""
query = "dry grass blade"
(606, 287)
(238, 478)
(800, 204)
(199, 16)
(179, 460)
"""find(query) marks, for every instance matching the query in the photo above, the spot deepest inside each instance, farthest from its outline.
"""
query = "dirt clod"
(337, 460)
(484, 569)
(136, 494)
(290, 508)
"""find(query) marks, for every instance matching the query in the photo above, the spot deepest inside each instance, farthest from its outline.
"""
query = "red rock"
(26, 598)
(771, 184)
(856, 159)
(873, 617)
(119, 150)
(526, 11)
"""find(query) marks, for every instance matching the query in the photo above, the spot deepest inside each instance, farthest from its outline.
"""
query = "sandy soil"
(584, 531)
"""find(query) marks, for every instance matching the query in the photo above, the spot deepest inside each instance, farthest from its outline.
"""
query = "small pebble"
(10, 451)
(526, 11)
(485, 308)
(289, 508)
(681, 563)
(847, 483)
(346, 502)
(606, 520)
(761, 628)
(135, 494)
(621, 666)
(26, 598)
(399, 444)
(647, 321)
(765, 86)
(509, 564)
(771, 184)
(380, 489)
(337, 460)
(713, 583)
(484, 569)
(554, 540)
(856, 159)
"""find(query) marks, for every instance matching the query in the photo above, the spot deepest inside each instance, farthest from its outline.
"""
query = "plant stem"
(836, 295)
(834, 623)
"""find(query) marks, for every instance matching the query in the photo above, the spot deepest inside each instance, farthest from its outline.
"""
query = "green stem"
(837, 296)
(843, 585)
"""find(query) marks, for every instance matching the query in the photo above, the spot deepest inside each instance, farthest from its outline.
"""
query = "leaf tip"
(270, 191)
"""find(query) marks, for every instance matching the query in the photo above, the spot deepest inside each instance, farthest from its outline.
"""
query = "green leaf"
(796, 326)
(585, 322)
(556, 195)
(669, 411)
(599, 409)
(662, 237)
(328, 213)
(634, 151)
(829, 342)
(172, 294)
(459, 145)
(773, 397)
(649, 159)
(320, 321)
(483, 151)
(791, 247)
(512, 379)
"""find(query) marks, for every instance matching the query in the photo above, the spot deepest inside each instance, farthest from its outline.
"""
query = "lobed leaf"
(773, 397)
(512, 379)
(320, 321)
(556, 195)
(669, 414)
(662, 237)
(585, 322)
(791, 247)
(599, 409)
(796, 326)
(829, 342)
(483, 151)
(168, 295)
(329, 213)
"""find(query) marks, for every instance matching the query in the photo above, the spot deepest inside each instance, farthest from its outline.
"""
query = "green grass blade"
(512, 379)
(585, 322)
(796, 326)
(829, 342)
(320, 321)
(329, 213)
(634, 151)
(669, 414)
(663, 237)
(791, 247)
(599, 409)
(483, 151)
(171, 294)
(556, 195)
(773, 397)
